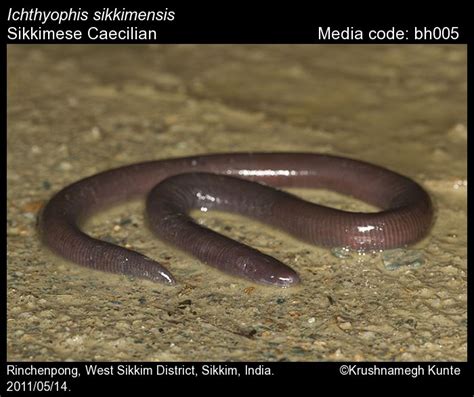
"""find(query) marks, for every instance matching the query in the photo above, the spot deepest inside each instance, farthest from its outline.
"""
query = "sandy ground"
(76, 110)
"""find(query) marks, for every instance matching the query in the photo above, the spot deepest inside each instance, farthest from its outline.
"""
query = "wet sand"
(76, 110)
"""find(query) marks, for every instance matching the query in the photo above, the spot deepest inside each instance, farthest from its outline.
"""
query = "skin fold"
(243, 183)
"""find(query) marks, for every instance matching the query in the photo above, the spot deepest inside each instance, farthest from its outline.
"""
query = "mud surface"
(76, 110)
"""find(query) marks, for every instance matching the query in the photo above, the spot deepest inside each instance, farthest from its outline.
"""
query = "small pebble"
(95, 133)
(32, 207)
(122, 325)
(249, 290)
(319, 343)
(458, 133)
(65, 166)
(294, 313)
(35, 149)
(460, 184)
(367, 335)
(72, 101)
(337, 355)
(345, 326)
(171, 119)
(30, 216)
(280, 301)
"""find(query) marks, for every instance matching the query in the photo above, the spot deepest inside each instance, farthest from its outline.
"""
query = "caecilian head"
(264, 269)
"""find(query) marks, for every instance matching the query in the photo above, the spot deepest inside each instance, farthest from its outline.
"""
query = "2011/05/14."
(37, 386)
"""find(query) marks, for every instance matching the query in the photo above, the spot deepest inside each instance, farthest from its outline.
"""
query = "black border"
(278, 24)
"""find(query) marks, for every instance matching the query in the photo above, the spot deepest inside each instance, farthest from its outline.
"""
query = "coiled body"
(175, 186)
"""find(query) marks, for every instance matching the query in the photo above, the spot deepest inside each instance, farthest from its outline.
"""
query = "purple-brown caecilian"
(229, 182)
